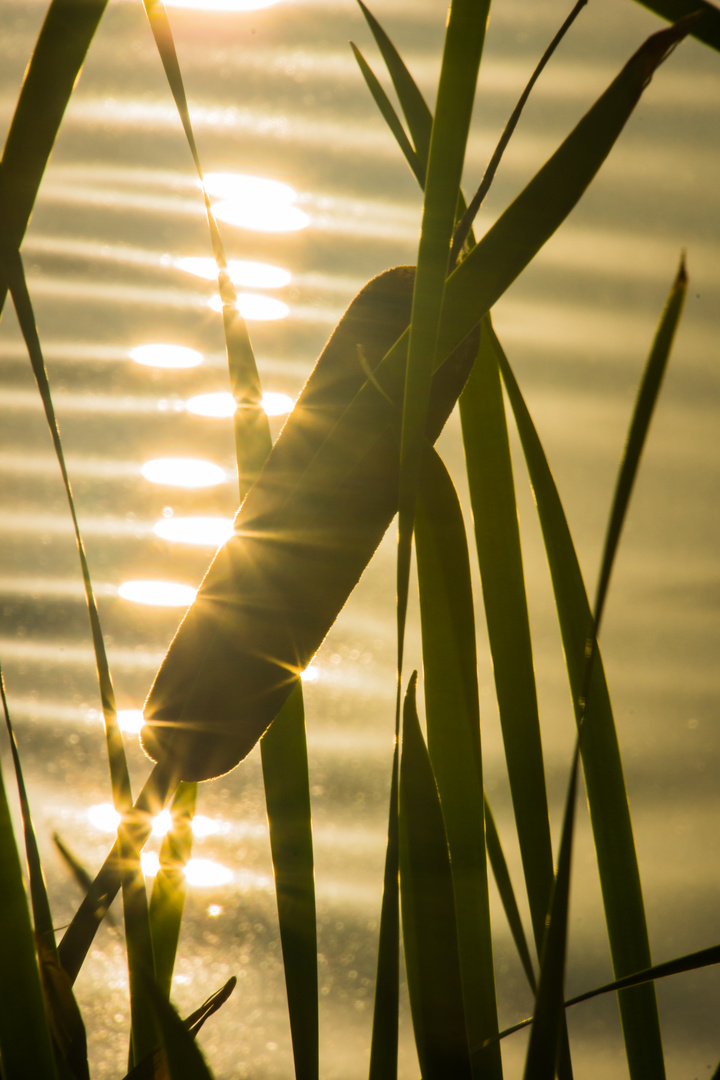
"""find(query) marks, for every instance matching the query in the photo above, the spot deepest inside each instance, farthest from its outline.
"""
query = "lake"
(114, 261)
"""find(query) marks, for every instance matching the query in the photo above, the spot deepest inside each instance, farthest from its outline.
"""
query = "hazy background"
(276, 94)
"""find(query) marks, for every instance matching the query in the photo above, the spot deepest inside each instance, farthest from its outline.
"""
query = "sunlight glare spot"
(183, 472)
(204, 826)
(206, 874)
(310, 674)
(215, 910)
(157, 593)
(104, 817)
(130, 721)
(249, 275)
(203, 531)
(258, 189)
(223, 404)
(254, 307)
(162, 823)
(261, 217)
(166, 356)
(150, 863)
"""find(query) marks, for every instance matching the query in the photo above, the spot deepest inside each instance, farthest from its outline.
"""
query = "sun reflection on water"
(252, 202)
(157, 593)
(243, 273)
(222, 5)
(166, 356)
(183, 472)
(255, 307)
(202, 531)
(222, 404)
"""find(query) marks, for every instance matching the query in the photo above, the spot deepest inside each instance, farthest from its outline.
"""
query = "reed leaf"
(384, 1039)
(287, 797)
(501, 874)
(183, 1059)
(417, 114)
(497, 536)
(428, 913)
(464, 39)
(53, 70)
(453, 733)
(602, 766)
(167, 899)
(390, 116)
(707, 28)
(25, 1037)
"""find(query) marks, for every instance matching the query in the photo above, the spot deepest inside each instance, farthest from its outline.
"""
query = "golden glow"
(263, 217)
(223, 404)
(104, 817)
(150, 863)
(243, 274)
(310, 674)
(252, 202)
(203, 531)
(166, 356)
(162, 824)
(130, 721)
(183, 472)
(204, 826)
(214, 910)
(255, 308)
(157, 593)
(221, 5)
(207, 874)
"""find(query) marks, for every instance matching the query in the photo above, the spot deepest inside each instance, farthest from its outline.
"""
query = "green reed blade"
(25, 1039)
(284, 759)
(453, 732)
(544, 1046)
(501, 874)
(412, 103)
(287, 797)
(428, 913)
(183, 1059)
(134, 831)
(389, 115)
(464, 38)
(708, 25)
(137, 928)
(64, 1017)
(513, 241)
(497, 536)
(52, 73)
(210, 1006)
(464, 227)
(602, 765)
(644, 407)
(167, 899)
(384, 1040)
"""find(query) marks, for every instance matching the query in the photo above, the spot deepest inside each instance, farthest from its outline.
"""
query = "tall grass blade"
(497, 536)
(287, 797)
(604, 780)
(417, 114)
(548, 1023)
(644, 407)
(56, 61)
(25, 1039)
(428, 913)
(464, 39)
(507, 894)
(462, 231)
(453, 732)
(167, 899)
(133, 832)
(64, 1017)
(183, 1060)
(390, 116)
(384, 1040)
(707, 28)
